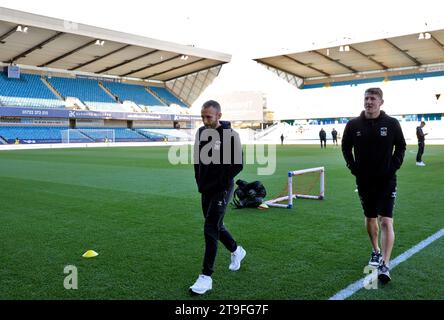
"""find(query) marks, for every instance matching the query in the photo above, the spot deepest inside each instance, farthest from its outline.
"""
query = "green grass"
(143, 217)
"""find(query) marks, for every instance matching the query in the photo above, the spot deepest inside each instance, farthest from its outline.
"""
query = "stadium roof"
(353, 62)
(50, 44)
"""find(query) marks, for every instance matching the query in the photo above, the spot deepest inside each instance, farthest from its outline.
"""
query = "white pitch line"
(358, 285)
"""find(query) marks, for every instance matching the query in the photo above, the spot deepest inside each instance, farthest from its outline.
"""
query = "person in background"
(323, 138)
(421, 144)
(334, 135)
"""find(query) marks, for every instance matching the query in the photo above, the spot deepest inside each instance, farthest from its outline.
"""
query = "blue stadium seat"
(88, 91)
(168, 96)
(28, 91)
(42, 135)
(121, 135)
(170, 134)
(32, 135)
(134, 93)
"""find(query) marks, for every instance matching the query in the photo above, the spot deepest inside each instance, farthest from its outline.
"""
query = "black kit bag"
(249, 195)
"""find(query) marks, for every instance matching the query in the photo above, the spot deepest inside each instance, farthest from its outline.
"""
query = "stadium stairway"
(167, 96)
(150, 136)
(3, 141)
(266, 132)
(155, 95)
(87, 91)
(108, 92)
(85, 135)
(134, 93)
(52, 89)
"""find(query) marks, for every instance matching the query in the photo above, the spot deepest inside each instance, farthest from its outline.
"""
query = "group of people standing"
(323, 138)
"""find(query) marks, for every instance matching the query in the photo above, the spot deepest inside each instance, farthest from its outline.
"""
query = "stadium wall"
(309, 134)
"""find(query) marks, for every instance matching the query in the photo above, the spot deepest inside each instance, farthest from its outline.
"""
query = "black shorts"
(377, 197)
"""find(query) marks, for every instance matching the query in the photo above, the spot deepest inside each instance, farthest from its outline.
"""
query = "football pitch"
(143, 216)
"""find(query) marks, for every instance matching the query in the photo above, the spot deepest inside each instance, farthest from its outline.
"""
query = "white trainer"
(421, 164)
(202, 285)
(236, 258)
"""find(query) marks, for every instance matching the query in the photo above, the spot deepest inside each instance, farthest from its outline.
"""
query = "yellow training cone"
(90, 254)
(263, 206)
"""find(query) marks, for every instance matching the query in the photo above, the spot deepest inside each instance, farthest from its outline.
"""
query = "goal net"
(302, 184)
(88, 136)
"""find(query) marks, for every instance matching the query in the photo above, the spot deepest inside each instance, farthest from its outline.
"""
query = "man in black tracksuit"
(378, 147)
(217, 160)
(421, 144)
(323, 138)
(334, 135)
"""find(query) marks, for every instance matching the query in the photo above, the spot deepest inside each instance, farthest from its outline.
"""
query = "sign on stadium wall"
(82, 114)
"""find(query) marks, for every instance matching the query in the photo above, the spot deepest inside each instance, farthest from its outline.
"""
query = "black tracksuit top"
(217, 177)
(378, 147)
(420, 134)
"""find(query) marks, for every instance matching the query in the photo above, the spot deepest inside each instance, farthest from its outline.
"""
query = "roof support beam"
(151, 65)
(39, 46)
(307, 66)
(175, 68)
(280, 69)
(172, 69)
(335, 61)
(436, 41)
(204, 83)
(369, 58)
(416, 62)
(7, 34)
(67, 54)
(100, 58)
(194, 84)
(196, 71)
(128, 61)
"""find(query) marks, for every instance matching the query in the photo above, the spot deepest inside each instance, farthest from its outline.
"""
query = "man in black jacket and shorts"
(373, 146)
(217, 160)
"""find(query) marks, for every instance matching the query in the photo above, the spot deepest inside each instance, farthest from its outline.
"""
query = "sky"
(244, 27)
(249, 29)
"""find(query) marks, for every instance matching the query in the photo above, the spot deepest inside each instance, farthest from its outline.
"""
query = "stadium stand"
(32, 135)
(45, 135)
(134, 93)
(77, 82)
(87, 91)
(79, 137)
(28, 91)
(170, 134)
(121, 135)
(167, 96)
(151, 136)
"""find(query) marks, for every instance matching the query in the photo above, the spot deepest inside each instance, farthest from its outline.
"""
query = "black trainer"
(375, 259)
(384, 273)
